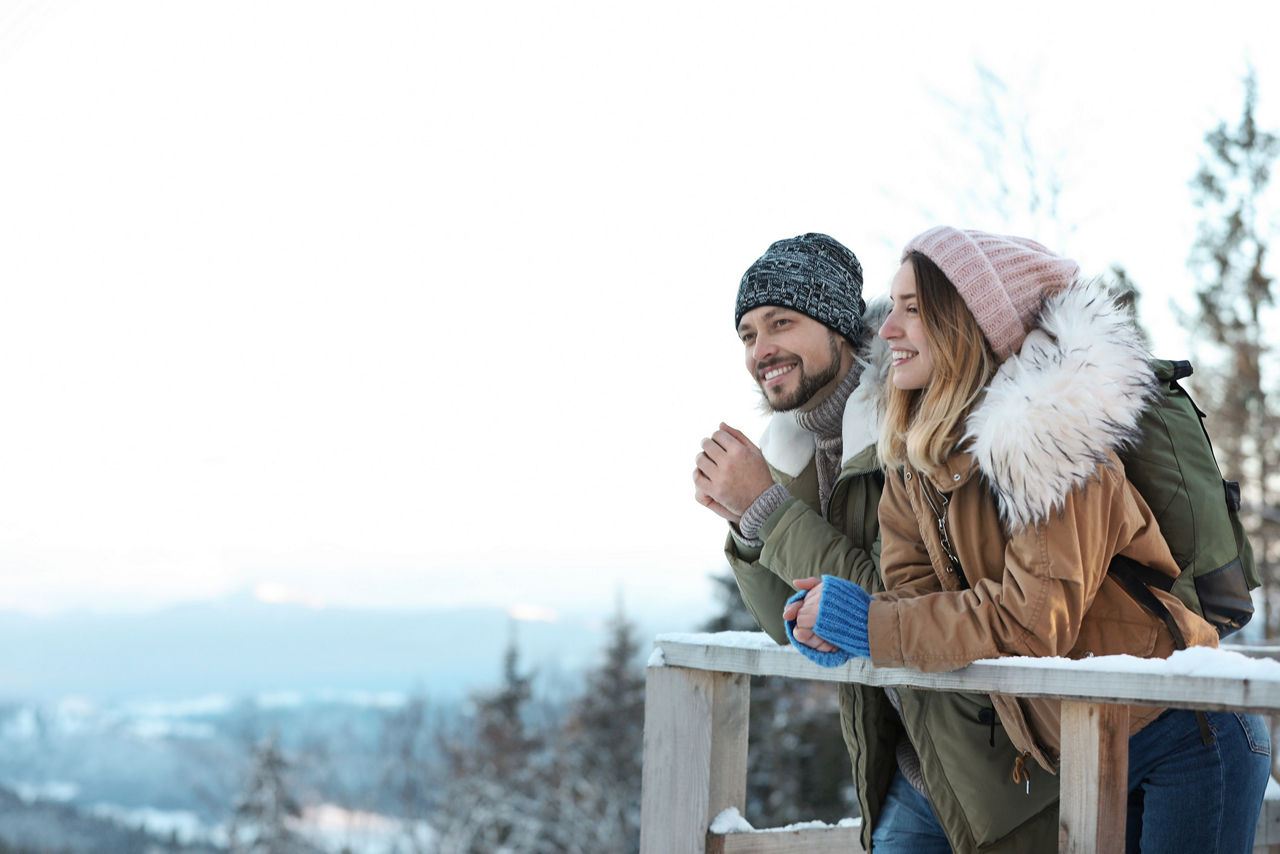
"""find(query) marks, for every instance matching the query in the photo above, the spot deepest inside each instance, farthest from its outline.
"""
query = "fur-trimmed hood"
(788, 447)
(1052, 412)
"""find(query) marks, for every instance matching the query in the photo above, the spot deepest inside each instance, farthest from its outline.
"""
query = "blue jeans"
(907, 824)
(1184, 796)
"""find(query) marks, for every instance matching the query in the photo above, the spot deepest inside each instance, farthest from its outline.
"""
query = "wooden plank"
(1101, 679)
(675, 777)
(1095, 778)
(824, 840)
(730, 715)
(695, 755)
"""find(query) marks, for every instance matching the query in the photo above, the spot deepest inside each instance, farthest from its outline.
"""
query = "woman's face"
(904, 330)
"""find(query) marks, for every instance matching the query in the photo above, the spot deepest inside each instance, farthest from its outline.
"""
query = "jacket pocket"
(968, 759)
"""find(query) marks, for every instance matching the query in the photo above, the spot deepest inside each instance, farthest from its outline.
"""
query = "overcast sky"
(422, 304)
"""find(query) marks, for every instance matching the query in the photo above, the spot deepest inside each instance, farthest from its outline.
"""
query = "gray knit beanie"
(813, 274)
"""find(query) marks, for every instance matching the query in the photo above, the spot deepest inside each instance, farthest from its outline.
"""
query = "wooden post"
(1095, 777)
(695, 755)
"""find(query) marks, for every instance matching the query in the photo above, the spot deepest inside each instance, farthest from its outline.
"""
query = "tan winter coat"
(1035, 508)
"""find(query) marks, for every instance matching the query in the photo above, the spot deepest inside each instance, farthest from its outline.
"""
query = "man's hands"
(805, 614)
(730, 474)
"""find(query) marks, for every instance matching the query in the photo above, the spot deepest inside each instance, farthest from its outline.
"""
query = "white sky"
(419, 304)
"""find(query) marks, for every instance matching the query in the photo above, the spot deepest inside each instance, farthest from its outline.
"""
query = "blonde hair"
(922, 426)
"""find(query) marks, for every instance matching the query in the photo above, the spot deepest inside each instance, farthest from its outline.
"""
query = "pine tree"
(407, 780)
(504, 737)
(1231, 315)
(495, 783)
(604, 746)
(260, 820)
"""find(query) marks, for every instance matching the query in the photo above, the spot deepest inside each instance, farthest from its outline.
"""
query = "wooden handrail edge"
(1197, 679)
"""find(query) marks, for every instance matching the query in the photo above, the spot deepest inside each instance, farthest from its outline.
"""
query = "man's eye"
(748, 338)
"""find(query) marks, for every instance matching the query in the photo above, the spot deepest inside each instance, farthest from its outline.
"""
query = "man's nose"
(763, 348)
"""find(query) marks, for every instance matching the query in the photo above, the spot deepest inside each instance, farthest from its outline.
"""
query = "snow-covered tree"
(520, 782)
(408, 781)
(260, 820)
(1232, 322)
(605, 745)
(494, 784)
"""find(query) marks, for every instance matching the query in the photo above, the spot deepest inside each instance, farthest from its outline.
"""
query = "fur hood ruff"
(1073, 393)
(788, 447)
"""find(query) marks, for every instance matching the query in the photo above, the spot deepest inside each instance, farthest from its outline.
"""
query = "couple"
(939, 484)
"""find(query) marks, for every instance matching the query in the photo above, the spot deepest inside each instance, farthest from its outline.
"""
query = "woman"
(1013, 384)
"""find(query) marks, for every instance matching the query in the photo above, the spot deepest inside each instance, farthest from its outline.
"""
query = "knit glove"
(842, 621)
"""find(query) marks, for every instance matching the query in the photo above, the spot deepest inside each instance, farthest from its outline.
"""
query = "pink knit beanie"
(1002, 279)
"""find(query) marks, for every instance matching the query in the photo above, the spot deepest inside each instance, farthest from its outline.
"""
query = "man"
(803, 504)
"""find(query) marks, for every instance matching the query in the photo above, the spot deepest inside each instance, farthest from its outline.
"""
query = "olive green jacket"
(965, 756)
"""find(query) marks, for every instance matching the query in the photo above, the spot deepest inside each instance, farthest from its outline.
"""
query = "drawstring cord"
(1020, 774)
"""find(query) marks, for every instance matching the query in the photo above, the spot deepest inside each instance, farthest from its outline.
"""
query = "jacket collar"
(788, 447)
(1054, 410)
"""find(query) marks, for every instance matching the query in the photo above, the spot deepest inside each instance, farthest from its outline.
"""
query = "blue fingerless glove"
(842, 621)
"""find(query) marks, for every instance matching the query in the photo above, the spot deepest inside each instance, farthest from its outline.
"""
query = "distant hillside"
(44, 826)
(242, 646)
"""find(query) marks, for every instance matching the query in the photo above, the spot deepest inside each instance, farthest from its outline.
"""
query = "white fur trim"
(1073, 392)
(861, 425)
(786, 445)
(865, 407)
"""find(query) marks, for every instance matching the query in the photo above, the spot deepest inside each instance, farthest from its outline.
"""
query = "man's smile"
(773, 375)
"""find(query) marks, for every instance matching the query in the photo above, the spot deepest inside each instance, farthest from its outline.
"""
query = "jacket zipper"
(941, 517)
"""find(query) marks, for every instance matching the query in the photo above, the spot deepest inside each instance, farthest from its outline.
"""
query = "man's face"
(793, 357)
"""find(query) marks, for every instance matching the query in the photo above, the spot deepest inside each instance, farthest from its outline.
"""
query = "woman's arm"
(1032, 605)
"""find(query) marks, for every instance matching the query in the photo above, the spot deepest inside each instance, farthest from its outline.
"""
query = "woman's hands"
(827, 620)
(804, 613)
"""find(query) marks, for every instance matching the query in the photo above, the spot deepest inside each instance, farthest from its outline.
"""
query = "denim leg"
(907, 824)
(1185, 796)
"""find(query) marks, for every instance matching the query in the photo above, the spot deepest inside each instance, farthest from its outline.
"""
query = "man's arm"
(798, 543)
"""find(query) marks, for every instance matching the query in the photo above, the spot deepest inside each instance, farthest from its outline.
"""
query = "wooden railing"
(695, 733)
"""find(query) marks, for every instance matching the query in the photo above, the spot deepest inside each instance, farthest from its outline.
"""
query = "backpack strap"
(1132, 576)
(1127, 570)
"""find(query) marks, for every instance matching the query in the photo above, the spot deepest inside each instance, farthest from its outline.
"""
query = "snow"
(1223, 662)
(731, 821)
(185, 825)
(736, 640)
(656, 658)
(1197, 661)
(335, 829)
(50, 790)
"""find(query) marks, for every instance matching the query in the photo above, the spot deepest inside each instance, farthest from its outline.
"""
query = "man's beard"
(810, 384)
